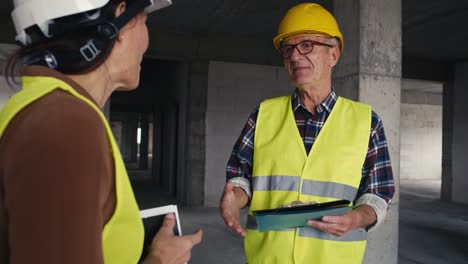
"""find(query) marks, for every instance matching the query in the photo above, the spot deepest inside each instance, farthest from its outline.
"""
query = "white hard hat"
(28, 13)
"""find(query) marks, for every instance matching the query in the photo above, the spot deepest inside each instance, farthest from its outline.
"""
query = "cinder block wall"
(421, 136)
(234, 91)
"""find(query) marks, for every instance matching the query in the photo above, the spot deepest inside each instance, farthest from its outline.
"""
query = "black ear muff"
(107, 31)
(44, 58)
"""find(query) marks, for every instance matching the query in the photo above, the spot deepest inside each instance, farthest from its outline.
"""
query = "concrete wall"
(421, 142)
(234, 91)
(421, 98)
(421, 130)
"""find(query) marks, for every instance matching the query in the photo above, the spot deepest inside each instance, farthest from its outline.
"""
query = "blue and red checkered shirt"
(377, 176)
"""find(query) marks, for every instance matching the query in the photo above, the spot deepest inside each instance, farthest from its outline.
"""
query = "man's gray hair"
(334, 41)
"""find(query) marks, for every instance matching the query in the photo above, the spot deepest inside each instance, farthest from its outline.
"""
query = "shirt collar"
(326, 105)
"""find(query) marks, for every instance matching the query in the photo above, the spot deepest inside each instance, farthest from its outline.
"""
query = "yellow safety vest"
(123, 234)
(283, 173)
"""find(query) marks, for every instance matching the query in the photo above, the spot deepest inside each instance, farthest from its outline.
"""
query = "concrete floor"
(431, 231)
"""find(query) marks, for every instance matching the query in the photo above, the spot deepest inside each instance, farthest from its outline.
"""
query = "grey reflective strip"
(353, 235)
(329, 189)
(276, 183)
(252, 224)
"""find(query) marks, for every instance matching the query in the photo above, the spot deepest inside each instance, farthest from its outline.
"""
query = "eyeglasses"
(303, 47)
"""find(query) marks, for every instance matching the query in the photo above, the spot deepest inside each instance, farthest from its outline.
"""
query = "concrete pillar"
(196, 112)
(455, 141)
(370, 71)
(125, 147)
(106, 109)
(129, 139)
(447, 137)
(144, 141)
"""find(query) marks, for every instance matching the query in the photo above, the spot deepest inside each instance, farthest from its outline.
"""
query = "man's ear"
(334, 56)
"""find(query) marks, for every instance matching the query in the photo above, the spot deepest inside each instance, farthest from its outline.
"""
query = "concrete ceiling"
(433, 30)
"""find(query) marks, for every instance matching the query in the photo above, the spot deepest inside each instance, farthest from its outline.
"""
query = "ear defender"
(107, 30)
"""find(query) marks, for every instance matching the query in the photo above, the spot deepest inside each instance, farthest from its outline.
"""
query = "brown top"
(56, 180)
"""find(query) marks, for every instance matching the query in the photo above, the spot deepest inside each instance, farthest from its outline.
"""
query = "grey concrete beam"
(414, 68)
(241, 49)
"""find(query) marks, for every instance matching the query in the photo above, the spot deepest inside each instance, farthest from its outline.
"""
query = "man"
(310, 146)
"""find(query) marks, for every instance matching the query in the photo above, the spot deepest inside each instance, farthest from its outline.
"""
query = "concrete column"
(106, 109)
(447, 138)
(144, 143)
(196, 112)
(455, 154)
(131, 146)
(129, 139)
(370, 71)
(125, 139)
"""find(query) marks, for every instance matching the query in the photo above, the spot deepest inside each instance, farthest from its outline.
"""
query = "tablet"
(152, 221)
(306, 207)
(297, 216)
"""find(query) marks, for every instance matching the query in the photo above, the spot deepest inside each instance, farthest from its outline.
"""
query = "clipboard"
(297, 216)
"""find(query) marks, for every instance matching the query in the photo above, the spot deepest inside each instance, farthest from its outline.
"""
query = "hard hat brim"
(280, 38)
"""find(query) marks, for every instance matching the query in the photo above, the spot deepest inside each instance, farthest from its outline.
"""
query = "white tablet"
(163, 210)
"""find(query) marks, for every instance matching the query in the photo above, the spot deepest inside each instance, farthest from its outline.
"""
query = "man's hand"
(232, 201)
(362, 216)
(168, 248)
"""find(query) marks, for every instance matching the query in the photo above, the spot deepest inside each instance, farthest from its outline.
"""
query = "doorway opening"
(421, 138)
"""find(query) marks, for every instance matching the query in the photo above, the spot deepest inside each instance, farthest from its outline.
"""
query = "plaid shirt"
(377, 176)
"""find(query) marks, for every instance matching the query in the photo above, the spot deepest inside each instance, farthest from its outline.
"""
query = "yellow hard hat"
(308, 18)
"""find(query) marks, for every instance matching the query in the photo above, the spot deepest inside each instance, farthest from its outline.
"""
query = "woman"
(65, 196)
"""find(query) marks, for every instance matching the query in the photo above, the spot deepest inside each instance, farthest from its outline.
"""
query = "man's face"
(314, 68)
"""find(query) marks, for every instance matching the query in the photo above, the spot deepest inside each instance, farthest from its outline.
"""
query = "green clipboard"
(297, 216)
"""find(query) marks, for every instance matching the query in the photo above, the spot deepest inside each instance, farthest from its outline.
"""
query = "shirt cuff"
(242, 183)
(377, 203)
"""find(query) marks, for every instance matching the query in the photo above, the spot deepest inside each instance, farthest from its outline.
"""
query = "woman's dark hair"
(67, 44)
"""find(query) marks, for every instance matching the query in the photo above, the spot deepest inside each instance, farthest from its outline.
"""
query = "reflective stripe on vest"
(309, 187)
(283, 173)
(122, 236)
